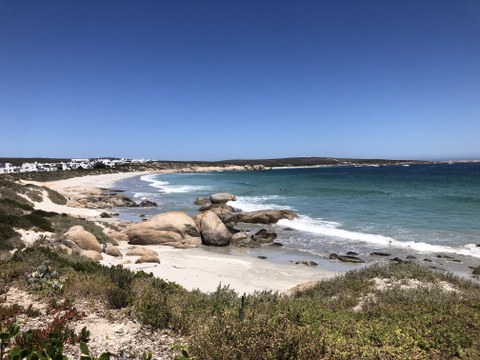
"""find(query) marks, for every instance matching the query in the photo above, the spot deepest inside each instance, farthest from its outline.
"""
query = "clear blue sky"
(212, 80)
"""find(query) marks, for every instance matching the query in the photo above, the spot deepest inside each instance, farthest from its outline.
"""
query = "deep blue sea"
(419, 209)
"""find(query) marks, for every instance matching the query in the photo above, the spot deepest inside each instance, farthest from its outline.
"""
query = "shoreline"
(195, 268)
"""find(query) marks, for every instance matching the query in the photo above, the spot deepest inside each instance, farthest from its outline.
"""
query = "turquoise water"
(421, 208)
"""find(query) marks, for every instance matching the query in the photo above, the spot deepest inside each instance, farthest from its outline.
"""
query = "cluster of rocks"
(96, 198)
(214, 225)
(80, 241)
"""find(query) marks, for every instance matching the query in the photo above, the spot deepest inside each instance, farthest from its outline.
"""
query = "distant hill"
(293, 161)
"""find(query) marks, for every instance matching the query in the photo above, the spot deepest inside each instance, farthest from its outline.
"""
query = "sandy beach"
(194, 268)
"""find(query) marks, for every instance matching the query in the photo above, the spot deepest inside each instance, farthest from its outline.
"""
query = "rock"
(222, 198)
(174, 228)
(84, 239)
(398, 260)
(214, 231)
(112, 251)
(378, 253)
(248, 167)
(476, 271)
(117, 236)
(264, 236)
(151, 236)
(352, 253)
(92, 255)
(148, 259)
(71, 245)
(261, 257)
(213, 207)
(350, 258)
(200, 201)
(346, 258)
(308, 263)
(478, 245)
(241, 239)
(140, 251)
(287, 229)
(141, 215)
(121, 201)
(276, 244)
(261, 216)
(147, 203)
(258, 167)
(411, 257)
(427, 260)
(105, 215)
(223, 211)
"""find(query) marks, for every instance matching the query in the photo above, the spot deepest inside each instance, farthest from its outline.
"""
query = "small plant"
(43, 277)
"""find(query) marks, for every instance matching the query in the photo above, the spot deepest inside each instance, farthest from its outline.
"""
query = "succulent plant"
(44, 276)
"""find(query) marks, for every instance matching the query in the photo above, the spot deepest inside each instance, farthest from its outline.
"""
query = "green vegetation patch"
(421, 314)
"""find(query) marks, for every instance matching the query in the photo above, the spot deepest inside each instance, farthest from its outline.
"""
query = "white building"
(8, 168)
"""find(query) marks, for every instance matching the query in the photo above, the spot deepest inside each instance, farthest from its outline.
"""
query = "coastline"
(195, 268)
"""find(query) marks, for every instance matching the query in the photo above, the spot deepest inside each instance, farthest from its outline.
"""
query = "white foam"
(255, 203)
(142, 195)
(166, 188)
(321, 227)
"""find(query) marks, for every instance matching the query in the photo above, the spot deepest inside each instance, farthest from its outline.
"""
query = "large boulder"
(261, 216)
(85, 240)
(222, 198)
(476, 271)
(223, 211)
(214, 231)
(174, 228)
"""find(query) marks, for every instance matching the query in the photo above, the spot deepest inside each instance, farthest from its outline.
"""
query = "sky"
(215, 80)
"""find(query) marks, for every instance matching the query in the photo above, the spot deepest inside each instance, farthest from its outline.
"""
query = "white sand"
(201, 269)
(99, 181)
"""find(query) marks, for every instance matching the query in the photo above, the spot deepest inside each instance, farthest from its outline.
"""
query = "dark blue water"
(420, 208)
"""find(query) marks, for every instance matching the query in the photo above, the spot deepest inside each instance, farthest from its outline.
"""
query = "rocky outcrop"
(214, 231)
(148, 259)
(200, 201)
(264, 236)
(222, 198)
(147, 203)
(172, 228)
(241, 239)
(223, 211)
(261, 216)
(83, 239)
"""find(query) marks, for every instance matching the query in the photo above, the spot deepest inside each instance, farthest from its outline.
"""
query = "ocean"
(420, 211)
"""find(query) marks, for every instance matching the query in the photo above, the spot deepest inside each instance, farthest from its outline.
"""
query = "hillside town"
(73, 164)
